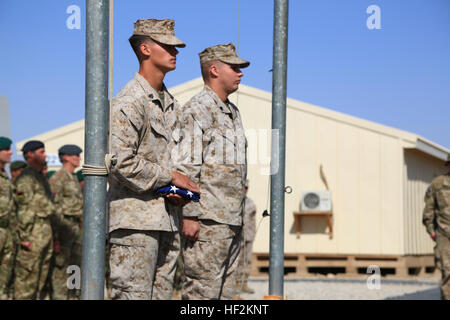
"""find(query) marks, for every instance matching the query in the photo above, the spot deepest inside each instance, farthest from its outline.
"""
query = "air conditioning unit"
(319, 201)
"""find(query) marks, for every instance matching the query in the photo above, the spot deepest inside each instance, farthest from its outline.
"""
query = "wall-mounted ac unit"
(319, 201)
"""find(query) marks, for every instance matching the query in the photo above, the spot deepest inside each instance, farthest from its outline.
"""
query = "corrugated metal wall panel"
(419, 170)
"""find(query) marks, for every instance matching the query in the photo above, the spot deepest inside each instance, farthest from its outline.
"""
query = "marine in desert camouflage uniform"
(7, 215)
(143, 225)
(35, 210)
(68, 199)
(213, 154)
(436, 218)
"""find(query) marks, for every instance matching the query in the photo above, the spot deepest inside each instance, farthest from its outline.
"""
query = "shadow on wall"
(311, 225)
(417, 171)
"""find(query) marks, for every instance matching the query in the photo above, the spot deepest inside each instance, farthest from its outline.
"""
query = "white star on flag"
(190, 194)
(174, 189)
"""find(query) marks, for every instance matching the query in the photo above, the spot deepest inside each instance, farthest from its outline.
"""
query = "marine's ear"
(145, 50)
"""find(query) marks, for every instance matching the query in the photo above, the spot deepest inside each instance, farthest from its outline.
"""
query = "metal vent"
(316, 201)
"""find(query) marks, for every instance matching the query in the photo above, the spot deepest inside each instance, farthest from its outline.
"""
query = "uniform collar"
(153, 94)
(225, 107)
(67, 171)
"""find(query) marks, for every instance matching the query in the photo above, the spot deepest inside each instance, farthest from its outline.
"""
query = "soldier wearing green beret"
(7, 213)
(69, 201)
(34, 214)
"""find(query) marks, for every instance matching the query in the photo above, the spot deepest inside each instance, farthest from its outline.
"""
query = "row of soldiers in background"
(40, 230)
(40, 223)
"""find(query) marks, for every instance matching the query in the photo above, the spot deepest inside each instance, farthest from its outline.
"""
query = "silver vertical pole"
(96, 137)
(276, 255)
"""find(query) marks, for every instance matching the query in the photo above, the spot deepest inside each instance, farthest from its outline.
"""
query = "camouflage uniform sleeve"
(190, 162)
(25, 216)
(6, 202)
(57, 217)
(428, 218)
(56, 188)
(134, 171)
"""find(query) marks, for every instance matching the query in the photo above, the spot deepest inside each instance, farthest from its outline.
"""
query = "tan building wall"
(416, 178)
(376, 207)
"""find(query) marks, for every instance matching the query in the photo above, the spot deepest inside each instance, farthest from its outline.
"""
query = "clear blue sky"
(398, 76)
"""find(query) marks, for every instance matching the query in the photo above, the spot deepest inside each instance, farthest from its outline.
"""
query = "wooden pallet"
(301, 265)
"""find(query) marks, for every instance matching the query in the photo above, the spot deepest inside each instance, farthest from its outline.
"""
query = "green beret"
(70, 150)
(16, 165)
(80, 176)
(32, 145)
(5, 143)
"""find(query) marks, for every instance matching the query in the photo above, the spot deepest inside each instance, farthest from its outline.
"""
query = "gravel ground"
(323, 288)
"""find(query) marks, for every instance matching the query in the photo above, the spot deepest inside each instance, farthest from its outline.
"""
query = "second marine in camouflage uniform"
(35, 209)
(213, 154)
(7, 215)
(68, 199)
(436, 218)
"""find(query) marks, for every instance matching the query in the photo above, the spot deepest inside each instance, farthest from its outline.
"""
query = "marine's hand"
(26, 245)
(433, 236)
(177, 200)
(190, 228)
(180, 180)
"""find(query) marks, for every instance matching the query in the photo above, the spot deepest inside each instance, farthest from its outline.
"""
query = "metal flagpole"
(96, 136)
(276, 254)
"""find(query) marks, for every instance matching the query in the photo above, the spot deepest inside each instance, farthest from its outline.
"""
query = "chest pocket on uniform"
(71, 189)
(443, 195)
(158, 126)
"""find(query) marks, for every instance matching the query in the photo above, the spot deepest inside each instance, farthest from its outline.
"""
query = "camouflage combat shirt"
(67, 193)
(213, 154)
(34, 201)
(143, 132)
(7, 204)
(436, 214)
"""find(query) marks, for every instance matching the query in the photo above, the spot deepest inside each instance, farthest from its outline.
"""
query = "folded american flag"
(187, 194)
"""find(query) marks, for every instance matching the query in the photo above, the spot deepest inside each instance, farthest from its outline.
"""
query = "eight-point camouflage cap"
(159, 30)
(223, 52)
